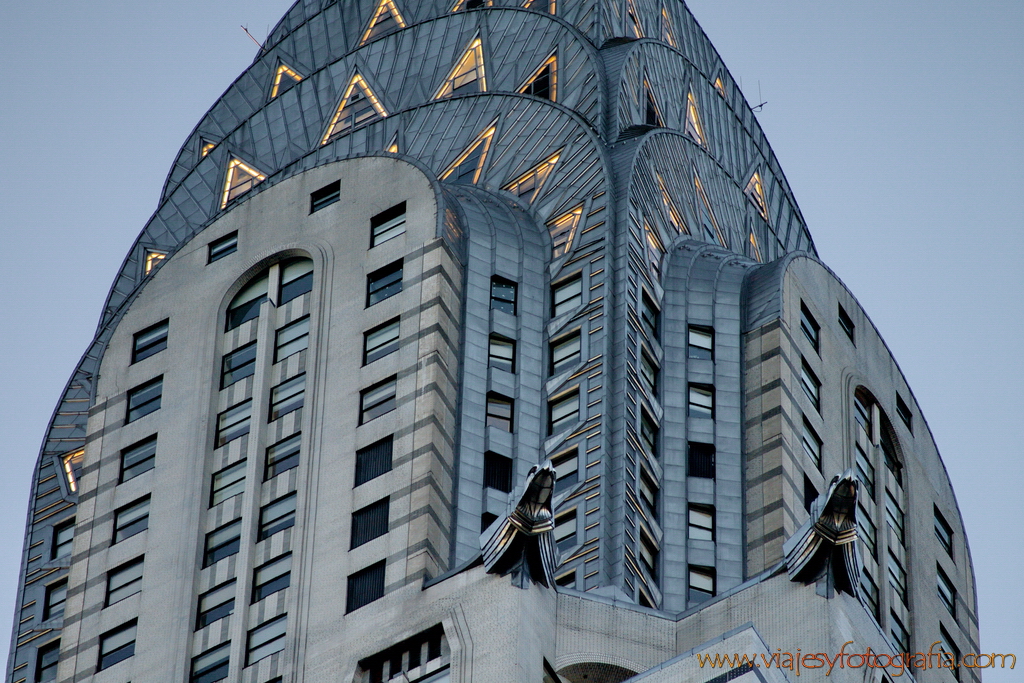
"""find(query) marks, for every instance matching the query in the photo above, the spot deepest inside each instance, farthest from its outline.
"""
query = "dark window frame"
(382, 452)
(498, 472)
(134, 526)
(274, 463)
(381, 283)
(278, 346)
(810, 327)
(498, 420)
(212, 554)
(146, 450)
(217, 670)
(700, 457)
(389, 346)
(696, 351)
(285, 520)
(498, 361)
(120, 653)
(561, 306)
(556, 365)
(110, 597)
(221, 247)
(150, 347)
(365, 586)
(846, 323)
(264, 587)
(231, 373)
(55, 609)
(137, 409)
(370, 522)
(325, 196)
(385, 223)
(382, 406)
(500, 302)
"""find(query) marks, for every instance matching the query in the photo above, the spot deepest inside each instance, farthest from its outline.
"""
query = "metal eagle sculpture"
(824, 549)
(522, 543)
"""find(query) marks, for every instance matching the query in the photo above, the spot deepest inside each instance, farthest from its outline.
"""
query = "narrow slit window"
(846, 323)
(380, 341)
(943, 532)
(649, 433)
(649, 316)
(567, 467)
(811, 385)
(565, 529)
(812, 444)
(903, 410)
(649, 491)
(387, 225)
(946, 591)
(810, 328)
(648, 374)
(867, 532)
(149, 341)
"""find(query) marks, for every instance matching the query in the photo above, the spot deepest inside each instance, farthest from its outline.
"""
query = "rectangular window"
(497, 472)
(211, 665)
(867, 532)
(810, 493)
(383, 283)
(501, 353)
(810, 328)
(648, 374)
(563, 411)
(503, 295)
(131, 519)
(272, 577)
(149, 341)
(565, 352)
(296, 279)
(899, 633)
(702, 401)
(276, 516)
(811, 385)
(903, 410)
(701, 343)
(124, 581)
(377, 400)
(387, 225)
(898, 578)
(365, 586)
(325, 196)
(499, 412)
(894, 517)
(649, 315)
(63, 539)
(565, 529)
(215, 604)
(865, 471)
(374, 460)
(222, 542)
(567, 467)
(846, 323)
(266, 639)
(702, 583)
(287, 397)
(812, 444)
(227, 483)
(291, 339)
(870, 589)
(948, 646)
(946, 591)
(566, 296)
(649, 553)
(56, 594)
(234, 422)
(649, 433)
(117, 645)
(282, 456)
(238, 364)
(219, 248)
(700, 460)
(247, 303)
(380, 341)
(145, 399)
(138, 458)
(47, 658)
(701, 522)
(649, 491)
(943, 532)
(72, 463)
(370, 522)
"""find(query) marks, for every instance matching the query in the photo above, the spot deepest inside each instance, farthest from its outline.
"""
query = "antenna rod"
(258, 44)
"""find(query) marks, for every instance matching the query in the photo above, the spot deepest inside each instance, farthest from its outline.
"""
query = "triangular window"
(529, 185)
(359, 106)
(667, 34)
(539, 4)
(241, 178)
(675, 218)
(468, 167)
(392, 147)
(284, 79)
(651, 115)
(468, 74)
(205, 147)
(694, 128)
(719, 86)
(153, 257)
(563, 231)
(544, 81)
(711, 230)
(755, 251)
(755, 193)
(634, 19)
(386, 19)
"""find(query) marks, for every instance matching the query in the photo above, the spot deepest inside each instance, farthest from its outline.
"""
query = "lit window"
(131, 519)
(222, 542)
(145, 399)
(387, 225)
(894, 517)
(383, 283)
(277, 516)
(117, 645)
(212, 665)
(530, 184)
(240, 178)
(282, 456)
(943, 532)
(666, 28)
(233, 422)
(946, 591)
(246, 304)
(649, 553)
(655, 250)
(325, 196)
(702, 401)
(369, 522)
(812, 444)
(811, 385)
(566, 295)
(565, 352)
(153, 257)
(846, 322)
(898, 578)
(649, 315)
(649, 491)
(544, 81)
(63, 538)
(237, 365)
(503, 295)
(675, 218)
(288, 396)
(47, 658)
(284, 78)
(870, 590)
(291, 339)
(903, 410)
(649, 433)
(865, 471)
(700, 460)
(899, 633)
(365, 586)
(563, 230)
(272, 577)
(359, 106)
(566, 470)
(227, 483)
(499, 412)
(634, 20)
(712, 231)
(296, 279)
(810, 327)
(468, 74)
(72, 463)
(149, 341)
(385, 19)
(565, 529)
(693, 126)
(56, 594)
(702, 583)
(124, 581)
(377, 400)
(566, 580)
(468, 166)
(215, 604)
(702, 523)
(374, 460)
(266, 639)
(501, 353)
(720, 87)
(497, 472)
(754, 251)
(867, 532)
(222, 247)
(755, 193)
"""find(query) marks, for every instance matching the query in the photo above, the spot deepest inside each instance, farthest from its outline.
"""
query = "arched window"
(286, 280)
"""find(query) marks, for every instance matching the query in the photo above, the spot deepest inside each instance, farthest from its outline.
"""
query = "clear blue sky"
(897, 125)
